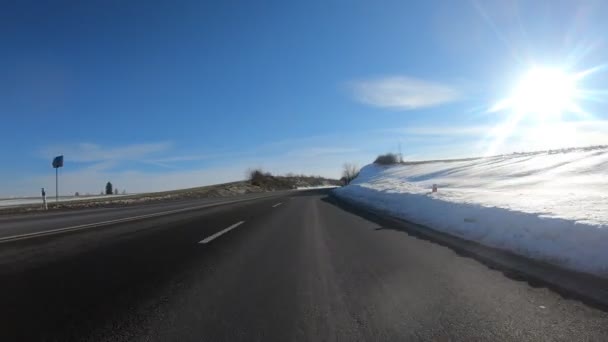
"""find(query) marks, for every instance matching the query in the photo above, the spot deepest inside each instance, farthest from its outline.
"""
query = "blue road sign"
(58, 162)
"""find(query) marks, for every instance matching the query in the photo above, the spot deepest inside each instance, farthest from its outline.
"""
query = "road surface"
(291, 267)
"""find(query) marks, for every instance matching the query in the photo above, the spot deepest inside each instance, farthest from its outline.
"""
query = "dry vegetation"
(387, 159)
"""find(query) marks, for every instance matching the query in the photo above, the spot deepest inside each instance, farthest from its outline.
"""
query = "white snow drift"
(18, 201)
(551, 206)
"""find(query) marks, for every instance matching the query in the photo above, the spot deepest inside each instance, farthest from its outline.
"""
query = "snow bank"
(14, 202)
(551, 206)
(316, 187)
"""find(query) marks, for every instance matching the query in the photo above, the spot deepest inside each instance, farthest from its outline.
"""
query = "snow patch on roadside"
(551, 206)
(13, 202)
(316, 187)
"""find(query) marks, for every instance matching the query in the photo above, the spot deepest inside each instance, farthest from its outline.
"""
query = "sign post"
(57, 163)
(44, 206)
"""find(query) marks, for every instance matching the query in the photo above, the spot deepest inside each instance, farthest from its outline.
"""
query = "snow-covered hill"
(552, 206)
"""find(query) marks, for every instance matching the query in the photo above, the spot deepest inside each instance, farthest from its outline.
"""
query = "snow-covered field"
(551, 206)
(13, 202)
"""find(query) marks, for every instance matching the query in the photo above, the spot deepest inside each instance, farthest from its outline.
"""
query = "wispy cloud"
(178, 161)
(87, 152)
(453, 131)
(89, 166)
(311, 152)
(92, 179)
(479, 140)
(547, 136)
(102, 165)
(184, 158)
(403, 93)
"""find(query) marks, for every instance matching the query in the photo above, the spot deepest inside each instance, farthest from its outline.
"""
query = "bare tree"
(350, 171)
(256, 176)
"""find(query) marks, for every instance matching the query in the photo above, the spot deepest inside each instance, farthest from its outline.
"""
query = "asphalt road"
(293, 267)
(12, 226)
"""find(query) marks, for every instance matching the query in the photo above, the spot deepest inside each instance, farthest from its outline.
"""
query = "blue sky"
(159, 95)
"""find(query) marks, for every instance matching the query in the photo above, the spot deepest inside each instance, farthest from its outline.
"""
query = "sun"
(545, 99)
(544, 93)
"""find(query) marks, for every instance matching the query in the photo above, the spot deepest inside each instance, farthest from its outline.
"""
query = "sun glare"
(544, 92)
(542, 97)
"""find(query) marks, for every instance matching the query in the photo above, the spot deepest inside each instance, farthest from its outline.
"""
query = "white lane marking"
(91, 225)
(110, 222)
(276, 205)
(220, 233)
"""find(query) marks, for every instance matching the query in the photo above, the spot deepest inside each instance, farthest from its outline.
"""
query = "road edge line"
(57, 231)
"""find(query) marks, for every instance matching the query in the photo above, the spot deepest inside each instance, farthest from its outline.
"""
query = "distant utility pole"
(400, 155)
(57, 163)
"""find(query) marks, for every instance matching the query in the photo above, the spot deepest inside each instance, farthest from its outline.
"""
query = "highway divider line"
(110, 222)
(220, 233)
(276, 205)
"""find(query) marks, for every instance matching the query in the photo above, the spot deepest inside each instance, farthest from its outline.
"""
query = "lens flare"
(543, 97)
(544, 92)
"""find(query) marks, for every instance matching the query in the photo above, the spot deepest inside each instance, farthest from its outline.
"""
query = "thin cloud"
(585, 132)
(453, 131)
(174, 162)
(403, 93)
(437, 142)
(320, 151)
(547, 136)
(92, 180)
(184, 158)
(87, 152)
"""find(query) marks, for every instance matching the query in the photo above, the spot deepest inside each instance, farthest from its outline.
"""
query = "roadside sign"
(58, 162)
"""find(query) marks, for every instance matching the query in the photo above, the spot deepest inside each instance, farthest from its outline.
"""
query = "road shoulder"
(590, 289)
